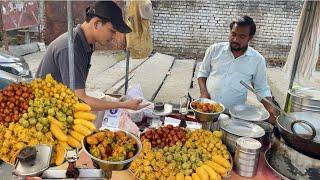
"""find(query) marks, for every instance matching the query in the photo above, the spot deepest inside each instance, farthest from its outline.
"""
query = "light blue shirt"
(224, 73)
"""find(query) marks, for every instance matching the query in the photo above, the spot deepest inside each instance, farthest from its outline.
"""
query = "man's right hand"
(135, 104)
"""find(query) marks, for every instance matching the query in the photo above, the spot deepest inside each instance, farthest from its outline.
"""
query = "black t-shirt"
(56, 59)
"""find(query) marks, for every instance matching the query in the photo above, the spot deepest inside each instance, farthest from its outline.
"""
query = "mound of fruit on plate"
(111, 146)
(206, 107)
(42, 112)
(201, 155)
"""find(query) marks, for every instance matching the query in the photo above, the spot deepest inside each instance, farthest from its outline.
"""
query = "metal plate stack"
(247, 156)
(305, 99)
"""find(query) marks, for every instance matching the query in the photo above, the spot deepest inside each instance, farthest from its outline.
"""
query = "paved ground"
(157, 76)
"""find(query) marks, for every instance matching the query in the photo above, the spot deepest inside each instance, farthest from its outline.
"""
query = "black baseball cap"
(109, 10)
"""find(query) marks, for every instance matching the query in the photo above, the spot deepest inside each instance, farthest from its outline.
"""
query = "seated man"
(226, 64)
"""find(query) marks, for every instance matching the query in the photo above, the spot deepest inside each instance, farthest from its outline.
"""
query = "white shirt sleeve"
(260, 81)
(205, 67)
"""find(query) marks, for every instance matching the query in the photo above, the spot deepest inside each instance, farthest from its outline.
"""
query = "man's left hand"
(273, 114)
(272, 111)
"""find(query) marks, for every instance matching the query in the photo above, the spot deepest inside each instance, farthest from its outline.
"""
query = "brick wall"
(187, 28)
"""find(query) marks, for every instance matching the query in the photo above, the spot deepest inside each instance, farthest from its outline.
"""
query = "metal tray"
(242, 128)
(249, 112)
(84, 174)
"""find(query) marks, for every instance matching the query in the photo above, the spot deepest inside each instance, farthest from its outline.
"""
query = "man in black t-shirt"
(103, 20)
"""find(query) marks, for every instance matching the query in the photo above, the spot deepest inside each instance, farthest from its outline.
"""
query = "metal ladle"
(282, 111)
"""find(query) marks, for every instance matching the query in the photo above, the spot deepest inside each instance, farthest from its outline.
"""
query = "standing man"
(103, 20)
(226, 64)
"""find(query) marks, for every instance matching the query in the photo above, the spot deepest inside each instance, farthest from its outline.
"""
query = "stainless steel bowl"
(233, 129)
(109, 166)
(206, 117)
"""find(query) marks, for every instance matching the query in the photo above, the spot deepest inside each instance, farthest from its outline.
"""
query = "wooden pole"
(3, 31)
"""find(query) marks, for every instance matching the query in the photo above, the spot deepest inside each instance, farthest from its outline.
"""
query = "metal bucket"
(305, 99)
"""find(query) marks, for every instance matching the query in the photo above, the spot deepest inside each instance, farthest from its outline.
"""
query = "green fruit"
(51, 112)
(25, 124)
(69, 119)
(25, 115)
(169, 158)
(21, 120)
(45, 129)
(39, 110)
(30, 103)
(39, 115)
(193, 158)
(185, 158)
(165, 149)
(184, 165)
(44, 121)
(39, 126)
(32, 121)
(31, 113)
(69, 112)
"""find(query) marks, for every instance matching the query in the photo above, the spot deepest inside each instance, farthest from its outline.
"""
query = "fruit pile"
(214, 169)
(52, 99)
(151, 164)
(15, 137)
(72, 137)
(111, 146)
(198, 156)
(164, 136)
(13, 102)
(209, 142)
(207, 107)
(45, 109)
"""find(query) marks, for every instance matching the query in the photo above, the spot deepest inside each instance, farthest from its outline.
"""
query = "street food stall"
(47, 132)
(53, 133)
(50, 134)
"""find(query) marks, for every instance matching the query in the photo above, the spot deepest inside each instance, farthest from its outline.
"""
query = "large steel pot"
(305, 99)
(297, 137)
(288, 163)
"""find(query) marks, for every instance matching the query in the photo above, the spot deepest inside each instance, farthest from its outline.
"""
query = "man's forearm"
(100, 105)
(203, 88)
(202, 85)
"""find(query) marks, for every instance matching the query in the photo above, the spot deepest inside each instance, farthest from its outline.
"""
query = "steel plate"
(242, 128)
(249, 112)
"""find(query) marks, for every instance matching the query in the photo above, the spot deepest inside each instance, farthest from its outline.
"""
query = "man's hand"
(135, 104)
(273, 114)
(272, 111)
